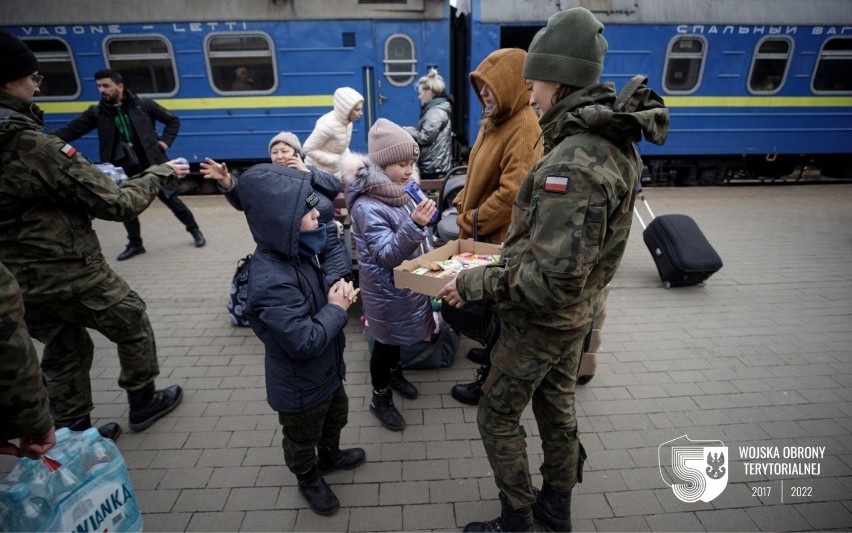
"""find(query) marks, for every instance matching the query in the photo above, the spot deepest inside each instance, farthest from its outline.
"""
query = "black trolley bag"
(680, 250)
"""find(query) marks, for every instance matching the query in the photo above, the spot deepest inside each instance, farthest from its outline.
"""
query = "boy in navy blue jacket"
(300, 320)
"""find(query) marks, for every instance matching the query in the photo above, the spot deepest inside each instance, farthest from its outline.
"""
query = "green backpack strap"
(627, 91)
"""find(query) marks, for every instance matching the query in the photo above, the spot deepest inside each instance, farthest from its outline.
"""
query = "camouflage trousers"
(318, 426)
(69, 350)
(551, 391)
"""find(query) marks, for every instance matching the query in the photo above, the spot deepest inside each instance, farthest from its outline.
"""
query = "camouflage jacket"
(47, 192)
(573, 212)
(23, 397)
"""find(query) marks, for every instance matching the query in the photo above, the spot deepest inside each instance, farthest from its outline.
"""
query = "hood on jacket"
(359, 174)
(501, 72)
(273, 199)
(344, 101)
(17, 113)
(593, 109)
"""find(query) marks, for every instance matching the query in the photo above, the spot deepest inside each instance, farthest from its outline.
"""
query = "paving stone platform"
(761, 356)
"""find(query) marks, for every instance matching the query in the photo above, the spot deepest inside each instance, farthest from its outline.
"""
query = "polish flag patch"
(556, 184)
(68, 150)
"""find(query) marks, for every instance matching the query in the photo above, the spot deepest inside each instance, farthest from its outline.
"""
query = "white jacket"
(332, 132)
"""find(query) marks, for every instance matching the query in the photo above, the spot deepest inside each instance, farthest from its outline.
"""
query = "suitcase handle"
(641, 196)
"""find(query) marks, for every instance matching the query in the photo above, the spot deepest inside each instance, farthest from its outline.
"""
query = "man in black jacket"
(127, 136)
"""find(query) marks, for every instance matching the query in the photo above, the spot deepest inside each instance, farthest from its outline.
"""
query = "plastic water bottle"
(119, 175)
(36, 475)
(26, 512)
(116, 174)
(95, 454)
(66, 479)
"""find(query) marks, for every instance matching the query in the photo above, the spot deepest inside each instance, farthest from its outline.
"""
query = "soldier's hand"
(180, 166)
(7, 448)
(32, 447)
(451, 295)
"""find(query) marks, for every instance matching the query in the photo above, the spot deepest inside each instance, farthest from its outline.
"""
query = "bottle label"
(103, 502)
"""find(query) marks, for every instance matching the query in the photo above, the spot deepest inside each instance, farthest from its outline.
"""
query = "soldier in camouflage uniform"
(47, 194)
(569, 229)
(23, 399)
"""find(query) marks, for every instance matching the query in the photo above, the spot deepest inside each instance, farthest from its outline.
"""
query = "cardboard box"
(405, 278)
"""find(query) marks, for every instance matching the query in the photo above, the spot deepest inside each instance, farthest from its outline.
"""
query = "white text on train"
(761, 30)
(95, 29)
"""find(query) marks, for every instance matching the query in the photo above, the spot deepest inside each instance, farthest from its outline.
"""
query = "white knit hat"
(387, 144)
(287, 138)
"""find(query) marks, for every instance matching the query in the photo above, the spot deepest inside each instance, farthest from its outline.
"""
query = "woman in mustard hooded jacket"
(506, 147)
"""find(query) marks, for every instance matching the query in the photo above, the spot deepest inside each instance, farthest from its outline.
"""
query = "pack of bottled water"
(80, 485)
(117, 174)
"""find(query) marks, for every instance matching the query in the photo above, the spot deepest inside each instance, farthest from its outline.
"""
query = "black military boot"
(109, 431)
(131, 251)
(509, 519)
(480, 356)
(317, 492)
(402, 385)
(148, 405)
(470, 393)
(382, 406)
(333, 458)
(198, 237)
(552, 508)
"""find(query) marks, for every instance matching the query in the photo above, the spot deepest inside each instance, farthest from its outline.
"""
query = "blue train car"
(753, 86)
(236, 77)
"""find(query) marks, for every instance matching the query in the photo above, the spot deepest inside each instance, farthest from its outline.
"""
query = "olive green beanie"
(569, 50)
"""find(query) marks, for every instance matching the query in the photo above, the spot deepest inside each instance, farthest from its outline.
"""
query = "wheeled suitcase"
(680, 250)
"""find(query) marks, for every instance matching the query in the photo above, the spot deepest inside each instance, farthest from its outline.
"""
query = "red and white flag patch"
(68, 150)
(556, 184)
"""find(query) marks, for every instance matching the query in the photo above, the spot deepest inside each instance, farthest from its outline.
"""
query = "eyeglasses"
(37, 79)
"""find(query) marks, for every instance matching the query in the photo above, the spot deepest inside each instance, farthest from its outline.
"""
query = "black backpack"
(237, 295)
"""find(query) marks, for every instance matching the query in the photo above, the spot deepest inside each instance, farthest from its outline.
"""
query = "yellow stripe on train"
(758, 101)
(323, 100)
(219, 103)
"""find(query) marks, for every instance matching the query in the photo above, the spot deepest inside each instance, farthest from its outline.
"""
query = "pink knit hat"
(387, 144)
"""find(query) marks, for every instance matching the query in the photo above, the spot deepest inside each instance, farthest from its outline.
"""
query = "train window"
(56, 64)
(241, 62)
(685, 64)
(146, 63)
(833, 67)
(400, 63)
(770, 64)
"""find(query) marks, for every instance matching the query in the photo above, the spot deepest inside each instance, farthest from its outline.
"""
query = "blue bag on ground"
(89, 491)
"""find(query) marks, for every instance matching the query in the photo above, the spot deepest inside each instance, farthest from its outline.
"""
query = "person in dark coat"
(300, 319)
(434, 130)
(127, 138)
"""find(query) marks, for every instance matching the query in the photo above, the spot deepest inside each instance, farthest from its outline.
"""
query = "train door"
(399, 49)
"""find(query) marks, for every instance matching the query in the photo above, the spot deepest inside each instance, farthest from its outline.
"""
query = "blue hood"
(274, 201)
